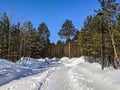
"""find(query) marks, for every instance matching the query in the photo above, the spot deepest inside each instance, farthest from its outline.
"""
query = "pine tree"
(15, 42)
(43, 39)
(67, 31)
(5, 27)
(109, 10)
(1, 33)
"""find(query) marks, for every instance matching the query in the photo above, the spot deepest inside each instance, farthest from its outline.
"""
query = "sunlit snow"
(57, 74)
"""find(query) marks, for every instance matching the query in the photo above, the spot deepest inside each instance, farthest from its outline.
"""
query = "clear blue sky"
(52, 12)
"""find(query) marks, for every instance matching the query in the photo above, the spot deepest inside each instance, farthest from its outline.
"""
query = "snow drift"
(57, 74)
(24, 67)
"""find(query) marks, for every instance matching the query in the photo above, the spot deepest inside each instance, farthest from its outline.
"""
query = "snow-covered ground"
(57, 74)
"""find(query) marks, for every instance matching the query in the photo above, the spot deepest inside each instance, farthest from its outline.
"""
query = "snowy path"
(33, 82)
(73, 74)
(59, 80)
(76, 78)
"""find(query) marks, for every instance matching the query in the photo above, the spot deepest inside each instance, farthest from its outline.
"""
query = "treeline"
(17, 40)
(23, 40)
(98, 38)
(100, 35)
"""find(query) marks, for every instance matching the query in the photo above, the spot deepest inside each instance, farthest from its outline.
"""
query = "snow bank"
(10, 71)
(32, 63)
(5, 63)
(73, 61)
(96, 79)
(24, 67)
(34, 82)
(64, 59)
(75, 72)
(76, 61)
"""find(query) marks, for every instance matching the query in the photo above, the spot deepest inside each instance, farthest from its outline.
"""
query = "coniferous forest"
(99, 37)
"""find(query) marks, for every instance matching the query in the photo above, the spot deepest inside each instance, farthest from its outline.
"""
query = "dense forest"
(99, 37)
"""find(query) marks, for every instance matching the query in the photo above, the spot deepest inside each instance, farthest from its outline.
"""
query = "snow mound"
(24, 67)
(55, 60)
(76, 61)
(32, 63)
(10, 71)
(80, 75)
(64, 59)
(34, 82)
(73, 61)
(41, 59)
(5, 63)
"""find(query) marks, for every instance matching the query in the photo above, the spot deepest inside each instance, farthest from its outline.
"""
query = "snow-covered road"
(78, 77)
(69, 74)
(59, 80)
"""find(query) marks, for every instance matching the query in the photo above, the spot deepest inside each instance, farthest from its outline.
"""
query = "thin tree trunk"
(74, 49)
(0, 49)
(69, 50)
(27, 47)
(114, 48)
(9, 43)
(21, 44)
(24, 44)
(1, 44)
(9, 32)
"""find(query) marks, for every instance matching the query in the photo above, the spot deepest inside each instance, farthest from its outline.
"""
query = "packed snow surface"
(57, 74)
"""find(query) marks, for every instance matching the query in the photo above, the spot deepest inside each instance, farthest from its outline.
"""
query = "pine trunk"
(21, 43)
(69, 50)
(116, 62)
